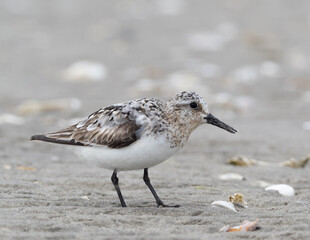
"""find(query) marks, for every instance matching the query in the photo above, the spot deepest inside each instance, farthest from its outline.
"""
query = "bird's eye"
(193, 105)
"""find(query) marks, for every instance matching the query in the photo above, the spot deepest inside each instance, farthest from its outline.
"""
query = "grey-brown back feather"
(105, 127)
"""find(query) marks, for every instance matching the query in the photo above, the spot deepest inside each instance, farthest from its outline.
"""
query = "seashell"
(34, 106)
(238, 200)
(82, 71)
(246, 226)
(224, 204)
(231, 176)
(241, 161)
(296, 163)
(283, 189)
(85, 198)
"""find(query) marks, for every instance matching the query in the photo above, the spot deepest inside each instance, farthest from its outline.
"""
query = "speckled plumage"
(120, 125)
(137, 134)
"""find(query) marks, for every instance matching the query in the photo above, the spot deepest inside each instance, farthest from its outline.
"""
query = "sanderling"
(137, 134)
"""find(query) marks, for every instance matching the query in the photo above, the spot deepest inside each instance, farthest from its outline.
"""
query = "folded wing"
(109, 127)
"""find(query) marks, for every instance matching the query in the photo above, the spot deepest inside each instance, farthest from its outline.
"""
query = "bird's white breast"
(144, 153)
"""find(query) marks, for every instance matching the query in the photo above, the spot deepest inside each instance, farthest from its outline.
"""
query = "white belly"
(144, 153)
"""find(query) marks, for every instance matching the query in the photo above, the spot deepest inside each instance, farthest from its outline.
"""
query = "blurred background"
(61, 60)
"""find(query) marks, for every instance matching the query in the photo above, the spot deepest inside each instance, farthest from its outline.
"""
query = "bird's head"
(191, 110)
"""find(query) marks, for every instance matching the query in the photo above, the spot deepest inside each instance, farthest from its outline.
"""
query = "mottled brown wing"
(107, 127)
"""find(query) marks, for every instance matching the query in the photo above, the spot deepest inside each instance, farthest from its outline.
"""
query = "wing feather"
(109, 127)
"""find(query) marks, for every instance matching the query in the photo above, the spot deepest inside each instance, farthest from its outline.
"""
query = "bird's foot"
(160, 203)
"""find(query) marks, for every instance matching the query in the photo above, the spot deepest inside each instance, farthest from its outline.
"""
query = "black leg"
(148, 183)
(118, 190)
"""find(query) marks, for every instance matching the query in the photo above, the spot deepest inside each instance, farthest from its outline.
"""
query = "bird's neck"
(178, 132)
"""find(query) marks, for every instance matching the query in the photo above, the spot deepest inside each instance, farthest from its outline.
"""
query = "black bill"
(216, 122)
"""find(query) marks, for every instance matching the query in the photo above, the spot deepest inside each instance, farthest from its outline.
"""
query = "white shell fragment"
(85, 198)
(231, 176)
(224, 204)
(82, 71)
(283, 189)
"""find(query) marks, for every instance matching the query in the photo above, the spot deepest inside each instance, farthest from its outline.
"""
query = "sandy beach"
(62, 60)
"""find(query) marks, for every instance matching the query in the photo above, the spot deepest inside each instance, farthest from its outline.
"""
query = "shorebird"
(137, 134)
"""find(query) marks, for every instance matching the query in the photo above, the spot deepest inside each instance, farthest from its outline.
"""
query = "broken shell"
(238, 200)
(231, 176)
(85, 198)
(246, 226)
(241, 161)
(296, 163)
(224, 204)
(283, 189)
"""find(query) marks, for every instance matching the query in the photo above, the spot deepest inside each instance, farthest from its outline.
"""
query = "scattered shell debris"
(238, 200)
(25, 168)
(243, 161)
(36, 106)
(85, 198)
(296, 163)
(85, 71)
(7, 118)
(246, 226)
(225, 204)
(283, 189)
(231, 176)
